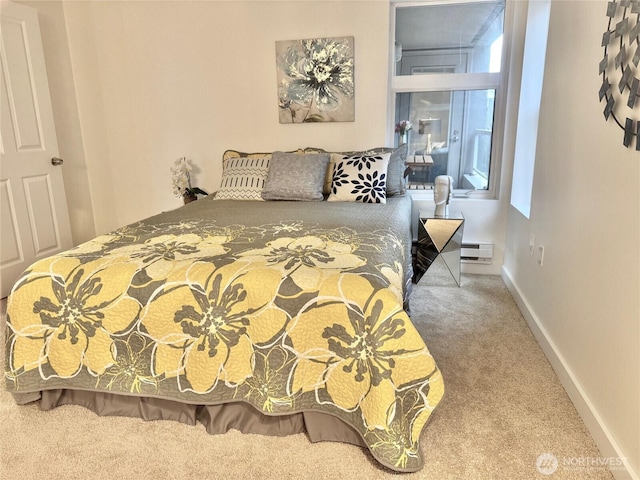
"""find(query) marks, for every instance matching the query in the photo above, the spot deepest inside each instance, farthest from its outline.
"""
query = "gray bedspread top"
(369, 218)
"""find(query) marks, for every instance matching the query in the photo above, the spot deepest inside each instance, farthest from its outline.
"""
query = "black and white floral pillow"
(359, 178)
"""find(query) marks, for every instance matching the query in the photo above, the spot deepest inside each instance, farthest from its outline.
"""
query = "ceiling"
(449, 25)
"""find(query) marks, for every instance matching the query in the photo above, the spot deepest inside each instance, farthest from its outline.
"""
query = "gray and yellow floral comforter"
(289, 306)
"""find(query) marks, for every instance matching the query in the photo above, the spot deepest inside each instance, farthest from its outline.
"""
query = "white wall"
(159, 80)
(584, 302)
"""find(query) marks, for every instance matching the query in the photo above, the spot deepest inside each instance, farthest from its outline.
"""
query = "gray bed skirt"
(217, 419)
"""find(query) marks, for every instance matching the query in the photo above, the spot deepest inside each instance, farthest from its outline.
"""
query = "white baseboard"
(594, 423)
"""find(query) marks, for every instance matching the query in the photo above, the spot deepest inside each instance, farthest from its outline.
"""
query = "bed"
(272, 317)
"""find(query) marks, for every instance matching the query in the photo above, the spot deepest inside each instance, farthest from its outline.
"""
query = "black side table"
(438, 236)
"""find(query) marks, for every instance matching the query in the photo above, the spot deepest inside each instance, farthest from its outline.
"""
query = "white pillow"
(359, 178)
(243, 178)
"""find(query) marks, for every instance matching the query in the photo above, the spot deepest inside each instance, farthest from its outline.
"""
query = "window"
(447, 82)
(535, 51)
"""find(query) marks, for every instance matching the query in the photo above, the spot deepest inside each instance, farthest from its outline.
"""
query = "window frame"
(455, 82)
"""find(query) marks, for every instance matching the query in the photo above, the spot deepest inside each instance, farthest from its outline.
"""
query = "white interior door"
(34, 221)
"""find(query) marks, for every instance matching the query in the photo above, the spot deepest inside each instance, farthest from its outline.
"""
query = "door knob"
(57, 161)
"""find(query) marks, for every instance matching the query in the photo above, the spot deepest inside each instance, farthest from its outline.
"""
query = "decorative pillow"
(360, 178)
(396, 185)
(243, 178)
(326, 189)
(294, 176)
(328, 178)
(395, 172)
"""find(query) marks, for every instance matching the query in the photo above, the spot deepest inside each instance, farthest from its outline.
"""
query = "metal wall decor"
(620, 88)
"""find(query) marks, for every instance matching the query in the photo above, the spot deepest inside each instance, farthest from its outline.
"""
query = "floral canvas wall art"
(315, 80)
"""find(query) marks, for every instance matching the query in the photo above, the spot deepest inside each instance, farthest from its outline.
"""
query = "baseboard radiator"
(481, 252)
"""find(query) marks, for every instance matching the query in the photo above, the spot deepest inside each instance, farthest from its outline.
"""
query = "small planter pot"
(189, 197)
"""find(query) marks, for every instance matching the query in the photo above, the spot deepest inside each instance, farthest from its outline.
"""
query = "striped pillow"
(243, 178)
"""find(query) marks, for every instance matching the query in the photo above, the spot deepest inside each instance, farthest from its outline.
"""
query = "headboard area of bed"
(383, 167)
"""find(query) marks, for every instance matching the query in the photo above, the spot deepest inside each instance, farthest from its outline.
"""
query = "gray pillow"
(395, 172)
(294, 176)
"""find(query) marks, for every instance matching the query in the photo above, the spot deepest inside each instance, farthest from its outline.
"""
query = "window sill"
(475, 182)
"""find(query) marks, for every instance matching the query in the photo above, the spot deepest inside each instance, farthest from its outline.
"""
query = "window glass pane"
(449, 38)
(451, 135)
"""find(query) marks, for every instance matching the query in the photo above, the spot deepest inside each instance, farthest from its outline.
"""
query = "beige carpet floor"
(504, 407)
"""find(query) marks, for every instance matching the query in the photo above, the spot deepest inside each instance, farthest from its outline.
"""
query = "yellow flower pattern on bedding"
(287, 316)
(305, 260)
(204, 329)
(74, 318)
(367, 353)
